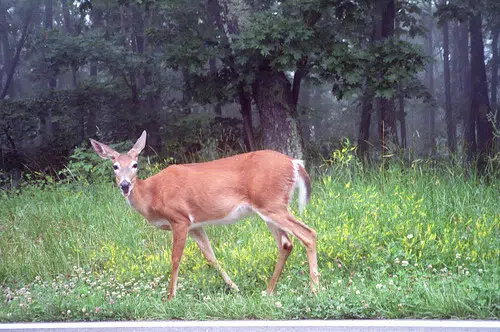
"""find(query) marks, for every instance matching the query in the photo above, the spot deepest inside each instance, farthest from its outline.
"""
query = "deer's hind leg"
(286, 223)
(285, 247)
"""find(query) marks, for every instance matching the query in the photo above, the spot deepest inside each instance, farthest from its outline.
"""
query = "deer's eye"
(115, 167)
(134, 165)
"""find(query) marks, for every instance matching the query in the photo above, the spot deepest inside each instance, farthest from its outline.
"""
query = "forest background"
(212, 78)
(392, 103)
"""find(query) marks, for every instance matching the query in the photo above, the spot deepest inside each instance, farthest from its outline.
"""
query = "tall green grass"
(399, 242)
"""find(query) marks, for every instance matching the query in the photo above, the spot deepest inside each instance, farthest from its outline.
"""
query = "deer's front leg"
(179, 235)
(203, 242)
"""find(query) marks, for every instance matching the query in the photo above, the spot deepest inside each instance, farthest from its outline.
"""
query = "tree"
(384, 29)
(10, 64)
(478, 135)
(450, 121)
(430, 115)
(480, 131)
(387, 67)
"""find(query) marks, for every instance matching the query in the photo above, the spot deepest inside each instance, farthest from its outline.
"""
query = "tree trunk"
(48, 24)
(480, 103)
(212, 64)
(450, 123)
(384, 29)
(364, 123)
(494, 69)
(7, 56)
(70, 32)
(246, 112)
(48, 130)
(278, 114)
(13, 63)
(228, 26)
(464, 81)
(430, 115)
(96, 17)
(402, 120)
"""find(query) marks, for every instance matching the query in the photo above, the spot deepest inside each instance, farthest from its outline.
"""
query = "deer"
(185, 198)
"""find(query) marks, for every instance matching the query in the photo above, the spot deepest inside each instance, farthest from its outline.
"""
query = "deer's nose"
(125, 186)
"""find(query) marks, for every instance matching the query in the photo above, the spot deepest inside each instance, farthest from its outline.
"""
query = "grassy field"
(406, 242)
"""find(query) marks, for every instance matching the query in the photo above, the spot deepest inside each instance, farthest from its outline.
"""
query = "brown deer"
(186, 198)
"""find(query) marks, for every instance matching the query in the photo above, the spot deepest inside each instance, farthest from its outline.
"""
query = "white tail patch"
(300, 184)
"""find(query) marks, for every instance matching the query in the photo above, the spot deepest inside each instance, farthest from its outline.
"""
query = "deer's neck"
(139, 197)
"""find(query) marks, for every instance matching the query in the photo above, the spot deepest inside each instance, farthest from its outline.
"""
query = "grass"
(417, 242)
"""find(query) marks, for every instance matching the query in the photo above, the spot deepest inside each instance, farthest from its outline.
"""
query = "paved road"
(262, 326)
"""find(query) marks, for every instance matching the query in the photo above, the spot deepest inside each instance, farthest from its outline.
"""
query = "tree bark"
(384, 29)
(364, 123)
(480, 103)
(13, 63)
(430, 115)
(212, 64)
(70, 31)
(246, 112)
(494, 69)
(300, 73)
(464, 81)
(402, 120)
(49, 24)
(7, 56)
(450, 123)
(273, 95)
(96, 17)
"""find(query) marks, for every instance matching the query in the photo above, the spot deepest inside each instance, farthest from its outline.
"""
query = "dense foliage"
(74, 70)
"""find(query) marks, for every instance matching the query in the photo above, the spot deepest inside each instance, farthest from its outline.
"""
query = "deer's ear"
(138, 146)
(103, 150)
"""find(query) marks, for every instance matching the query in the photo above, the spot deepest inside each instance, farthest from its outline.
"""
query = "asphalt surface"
(262, 326)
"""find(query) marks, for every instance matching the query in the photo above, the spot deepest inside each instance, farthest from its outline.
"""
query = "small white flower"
(358, 292)
(404, 263)
(409, 236)
(278, 304)
(458, 256)
(339, 281)
(379, 286)
(391, 282)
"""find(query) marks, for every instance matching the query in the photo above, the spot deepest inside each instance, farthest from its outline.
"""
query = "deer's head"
(124, 165)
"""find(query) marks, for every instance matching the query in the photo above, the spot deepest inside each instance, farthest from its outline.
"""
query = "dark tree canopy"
(295, 76)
